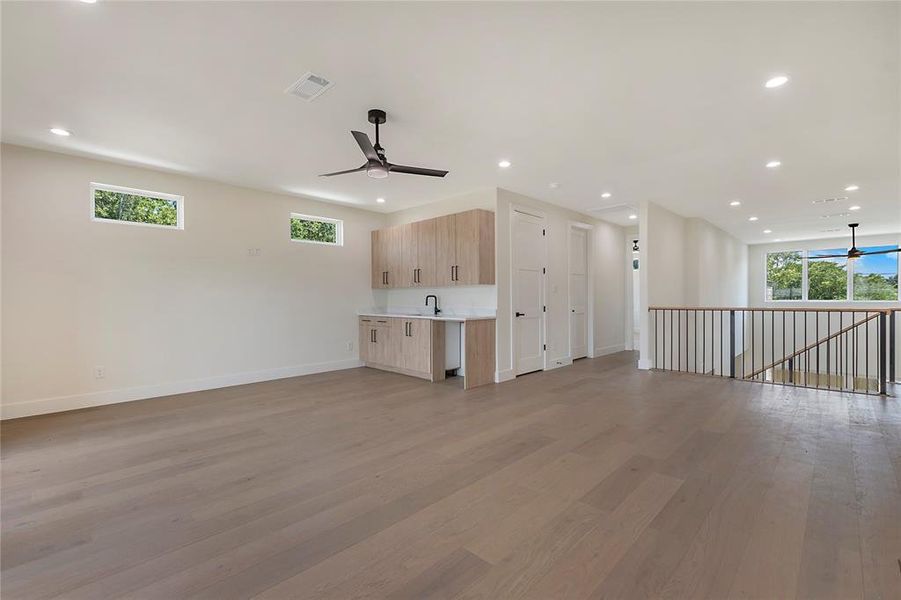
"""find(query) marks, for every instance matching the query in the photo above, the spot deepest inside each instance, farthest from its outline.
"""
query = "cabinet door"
(467, 247)
(417, 345)
(409, 256)
(378, 266)
(382, 351)
(446, 251)
(425, 234)
(393, 257)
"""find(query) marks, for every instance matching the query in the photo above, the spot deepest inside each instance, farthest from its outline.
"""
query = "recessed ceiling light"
(60, 132)
(380, 200)
(735, 203)
(89, 1)
(633, 216)
(855, 207)
(752, 218)
(777, 81)
(773, 164)
(504, 164)
(606, 195)
(852, 188)
(553, 185)
(768, 231)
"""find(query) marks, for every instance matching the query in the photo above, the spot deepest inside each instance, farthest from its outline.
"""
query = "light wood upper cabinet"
(474, 247)
(425, 235)
(409, 256)
(387, 258)
(445, 250)
(451, 250)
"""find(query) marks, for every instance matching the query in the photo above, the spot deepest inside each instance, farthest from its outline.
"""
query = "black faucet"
(437, 310)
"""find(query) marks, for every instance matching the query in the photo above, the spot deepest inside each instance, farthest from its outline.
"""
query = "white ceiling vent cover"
(309, 87)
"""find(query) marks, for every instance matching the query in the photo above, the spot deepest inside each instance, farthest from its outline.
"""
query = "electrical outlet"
(99, 372)
(253, 252)
(349, 346)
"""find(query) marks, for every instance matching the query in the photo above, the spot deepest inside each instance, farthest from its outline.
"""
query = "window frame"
(805, 297)
(339, 229)
(118, 189)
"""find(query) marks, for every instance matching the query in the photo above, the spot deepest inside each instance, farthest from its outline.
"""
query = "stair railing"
(842, 349)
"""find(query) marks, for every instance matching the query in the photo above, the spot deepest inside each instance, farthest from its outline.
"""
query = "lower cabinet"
(410, 346)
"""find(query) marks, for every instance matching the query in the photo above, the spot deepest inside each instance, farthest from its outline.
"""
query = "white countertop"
(449, 315)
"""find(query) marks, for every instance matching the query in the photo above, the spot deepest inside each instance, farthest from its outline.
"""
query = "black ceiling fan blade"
(357, 170)
(416, 170)
(366, 145)
(889, 251)
(828, 256)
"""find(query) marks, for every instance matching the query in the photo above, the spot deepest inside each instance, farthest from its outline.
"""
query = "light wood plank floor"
(593, 481)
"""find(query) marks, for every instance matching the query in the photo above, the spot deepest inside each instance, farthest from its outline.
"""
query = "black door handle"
(519, 314)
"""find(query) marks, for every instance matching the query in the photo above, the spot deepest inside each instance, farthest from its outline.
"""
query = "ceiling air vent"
(309, 87)
(829, 200)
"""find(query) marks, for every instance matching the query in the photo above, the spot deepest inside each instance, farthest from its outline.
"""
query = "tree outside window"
(783, 276)
(134, 208)
(876, 277)
(320, 230)
(827, 278)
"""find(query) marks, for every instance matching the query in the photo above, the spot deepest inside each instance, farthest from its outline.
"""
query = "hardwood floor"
(592, 481)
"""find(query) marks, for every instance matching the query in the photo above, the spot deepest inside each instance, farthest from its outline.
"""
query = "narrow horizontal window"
(136, 207)
(317, 230)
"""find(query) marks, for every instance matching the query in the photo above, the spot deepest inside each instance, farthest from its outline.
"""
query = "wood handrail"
(755, 309)
(813, 345)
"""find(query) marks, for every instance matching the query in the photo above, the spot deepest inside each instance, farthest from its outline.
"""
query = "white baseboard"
(556, 363)
(63, 403)
(505, 375)
(604, 350)
(645, 364)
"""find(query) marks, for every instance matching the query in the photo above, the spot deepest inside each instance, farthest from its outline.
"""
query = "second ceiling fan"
(376, 165)
(853, 251)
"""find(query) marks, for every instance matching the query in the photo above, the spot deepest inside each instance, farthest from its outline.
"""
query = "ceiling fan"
(376, 165)
(853, 251)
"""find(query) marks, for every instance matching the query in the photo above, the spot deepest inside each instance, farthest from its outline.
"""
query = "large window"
(784, 273)
(138, 207)
(876, 277)
(317, 230)
(827, 278)
(800, 275)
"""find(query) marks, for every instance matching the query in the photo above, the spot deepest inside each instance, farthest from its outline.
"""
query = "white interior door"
(528, 293)
(578, 292)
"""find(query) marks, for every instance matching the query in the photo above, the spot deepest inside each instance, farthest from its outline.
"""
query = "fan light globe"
(377, 172)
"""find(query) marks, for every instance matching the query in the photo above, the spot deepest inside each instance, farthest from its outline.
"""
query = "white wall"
(716, 263)
(607, 264)
(688, 262)
(165, 311)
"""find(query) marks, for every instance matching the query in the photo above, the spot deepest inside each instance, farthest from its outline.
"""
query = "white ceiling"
(662, 102)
